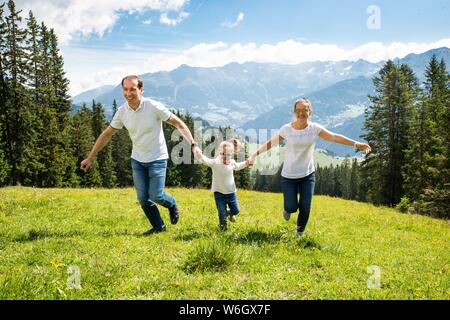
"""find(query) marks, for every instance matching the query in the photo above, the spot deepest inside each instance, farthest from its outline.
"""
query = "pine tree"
(104, 157)
(187, 174)
(82, 140)
(345, 179)
(62, 105)
(60, 84)
(260, 182)
(35, 56)
(242, 177)
(330, 180)
(121, 151)
(276, 180)
(436, 93)
(444, 125)
(18, 111)
(427, 169)
(173, 176)
(191, 173)
(49, 90)
(387, 127)
(354, 180)
(4, 165)
(337, 186)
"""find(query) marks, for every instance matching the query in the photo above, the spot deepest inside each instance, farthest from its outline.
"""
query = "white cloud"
(109, 67)
(164, 18)
(91, 68)
(147, 22)
(229, 24)
(285, 52)
(111, 76)
(70, 18)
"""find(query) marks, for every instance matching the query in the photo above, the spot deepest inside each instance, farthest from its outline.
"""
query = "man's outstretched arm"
(101, 142)
(184, 130)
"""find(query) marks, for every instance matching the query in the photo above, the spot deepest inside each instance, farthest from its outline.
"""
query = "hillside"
(236, 93)
(257, 95)
(49, 234)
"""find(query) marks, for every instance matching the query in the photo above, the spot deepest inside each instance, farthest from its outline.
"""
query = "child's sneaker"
(300, 233)
(232, 218)
(223, 227)
(286, 215)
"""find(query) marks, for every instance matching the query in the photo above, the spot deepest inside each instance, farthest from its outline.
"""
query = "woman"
(297, 175)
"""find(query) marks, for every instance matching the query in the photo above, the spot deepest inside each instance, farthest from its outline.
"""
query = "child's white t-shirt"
(299, 160)
(223, 174)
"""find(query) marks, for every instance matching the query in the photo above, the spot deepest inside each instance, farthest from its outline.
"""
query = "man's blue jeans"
(149, 180)
(291, 189)
(222, 200)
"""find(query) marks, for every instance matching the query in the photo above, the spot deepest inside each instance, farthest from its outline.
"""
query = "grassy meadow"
(87, 244)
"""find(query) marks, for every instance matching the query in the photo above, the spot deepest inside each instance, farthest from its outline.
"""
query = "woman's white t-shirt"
(299, 152)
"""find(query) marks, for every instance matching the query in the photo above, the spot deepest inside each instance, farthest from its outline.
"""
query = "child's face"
(226, 153)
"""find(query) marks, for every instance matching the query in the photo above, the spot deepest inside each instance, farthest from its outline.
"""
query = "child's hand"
(198, 153)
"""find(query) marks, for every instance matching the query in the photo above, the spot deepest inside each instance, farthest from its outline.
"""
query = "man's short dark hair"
(131, 77)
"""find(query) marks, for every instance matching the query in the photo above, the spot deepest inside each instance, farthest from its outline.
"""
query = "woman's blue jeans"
(149, 181)
(292, 188)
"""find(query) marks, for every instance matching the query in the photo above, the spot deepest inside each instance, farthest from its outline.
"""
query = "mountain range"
(260, 96)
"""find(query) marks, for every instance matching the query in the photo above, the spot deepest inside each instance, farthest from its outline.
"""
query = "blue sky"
(102, 40)
(342, 22)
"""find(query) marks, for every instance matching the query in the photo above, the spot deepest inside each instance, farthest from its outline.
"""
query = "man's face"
(131, 91)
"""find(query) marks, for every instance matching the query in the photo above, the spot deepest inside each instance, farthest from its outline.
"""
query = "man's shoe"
(154, 231)
(300, 233)
(223, 227)
(232, 218)
(174, 214)
(286, 215)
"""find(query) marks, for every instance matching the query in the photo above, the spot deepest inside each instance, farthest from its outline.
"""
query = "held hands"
(250, 161)
(197, 153)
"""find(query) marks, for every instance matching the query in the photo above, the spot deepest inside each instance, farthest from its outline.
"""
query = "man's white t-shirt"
(223, 174)
(299, 152)
(144, 126)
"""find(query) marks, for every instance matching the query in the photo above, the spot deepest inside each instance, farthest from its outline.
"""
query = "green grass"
(44, 233)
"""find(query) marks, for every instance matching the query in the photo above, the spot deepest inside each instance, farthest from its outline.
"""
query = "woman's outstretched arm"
(269, 144)
(339, 138)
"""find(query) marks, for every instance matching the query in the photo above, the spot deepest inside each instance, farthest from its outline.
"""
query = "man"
(143, 119)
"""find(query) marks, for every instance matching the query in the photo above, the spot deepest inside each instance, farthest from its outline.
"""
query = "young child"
(223, 185)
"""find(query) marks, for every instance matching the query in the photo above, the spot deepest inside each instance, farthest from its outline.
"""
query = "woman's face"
(302, 111)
